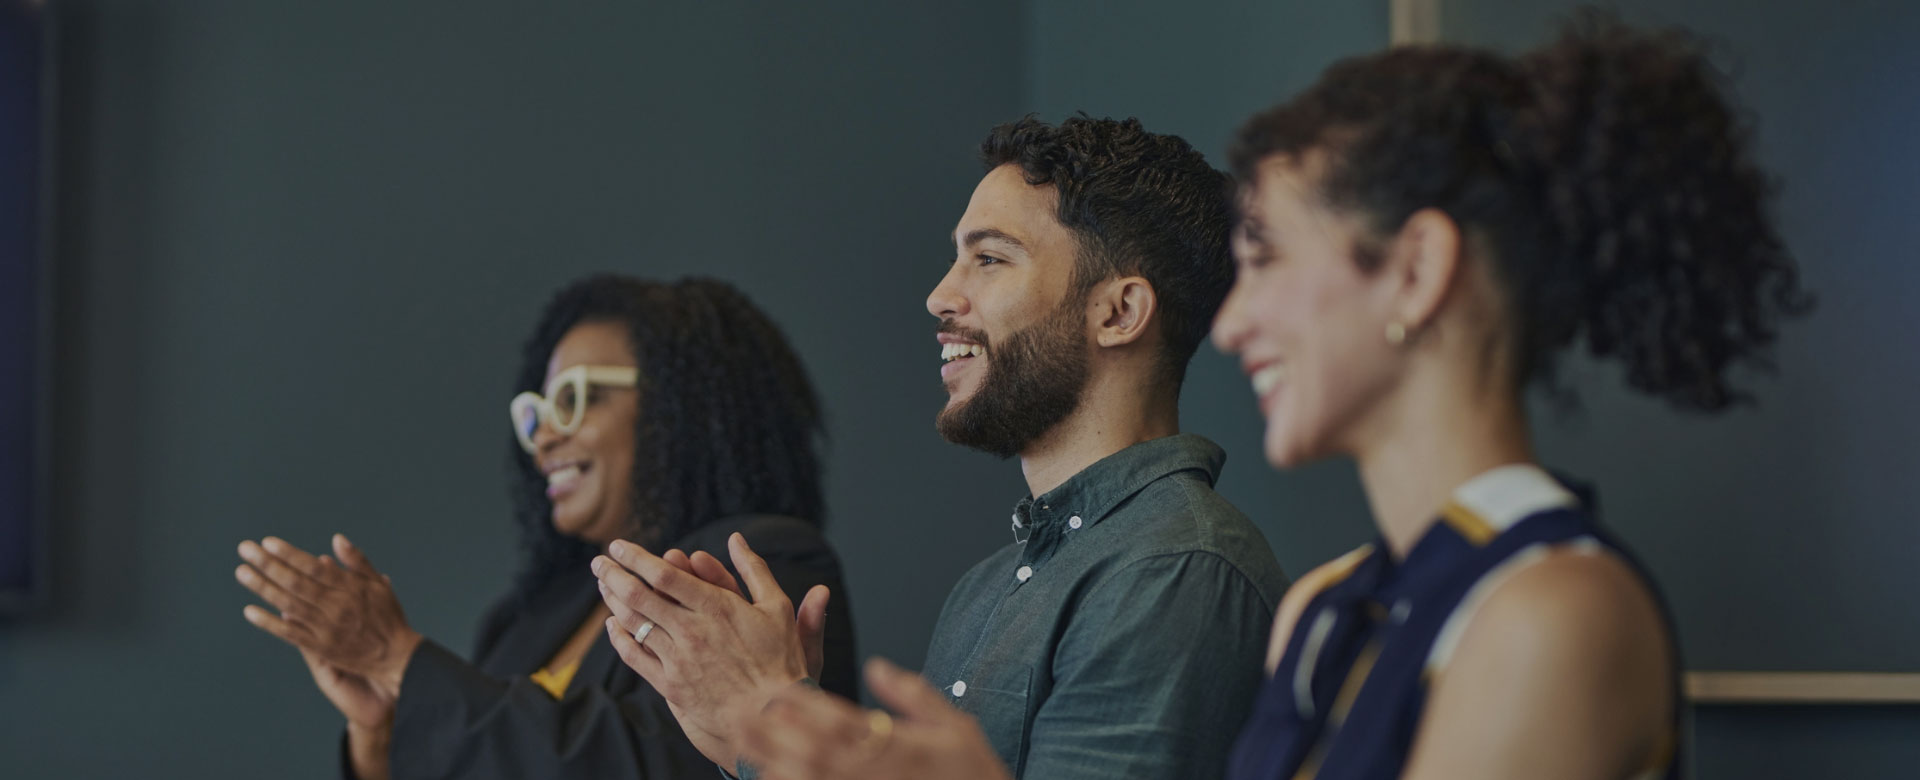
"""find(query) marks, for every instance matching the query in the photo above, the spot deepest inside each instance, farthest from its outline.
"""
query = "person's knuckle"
(626, 589)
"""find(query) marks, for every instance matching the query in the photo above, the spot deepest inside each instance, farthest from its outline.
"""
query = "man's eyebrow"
(991, 234)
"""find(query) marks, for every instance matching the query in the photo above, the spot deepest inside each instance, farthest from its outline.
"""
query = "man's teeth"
(563, 476)
(956, 351)
(1267, 378)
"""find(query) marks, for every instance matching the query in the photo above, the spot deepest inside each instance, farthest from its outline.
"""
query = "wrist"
(377, 735)
(393, 664)
(368, 748)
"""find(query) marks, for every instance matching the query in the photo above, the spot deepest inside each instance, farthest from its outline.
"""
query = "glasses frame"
(581, 378)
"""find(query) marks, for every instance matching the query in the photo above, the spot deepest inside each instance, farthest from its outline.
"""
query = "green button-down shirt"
(1124, 637)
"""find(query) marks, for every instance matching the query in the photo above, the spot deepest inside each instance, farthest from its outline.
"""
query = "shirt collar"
(1093, 493)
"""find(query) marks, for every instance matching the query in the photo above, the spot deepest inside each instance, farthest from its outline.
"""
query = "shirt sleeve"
(1154, 676)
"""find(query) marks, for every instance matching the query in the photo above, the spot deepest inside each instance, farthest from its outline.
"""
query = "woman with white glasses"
(667, 415)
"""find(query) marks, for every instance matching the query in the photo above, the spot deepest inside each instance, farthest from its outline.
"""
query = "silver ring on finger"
(640, 634)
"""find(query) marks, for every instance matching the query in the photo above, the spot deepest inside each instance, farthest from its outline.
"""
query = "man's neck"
(1109, 419)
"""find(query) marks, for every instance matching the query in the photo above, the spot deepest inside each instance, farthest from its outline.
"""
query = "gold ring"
(879, 731)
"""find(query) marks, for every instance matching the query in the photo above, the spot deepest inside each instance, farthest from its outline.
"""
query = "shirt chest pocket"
(998, 699)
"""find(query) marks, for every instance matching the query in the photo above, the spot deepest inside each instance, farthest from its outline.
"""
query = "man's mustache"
(952, 328)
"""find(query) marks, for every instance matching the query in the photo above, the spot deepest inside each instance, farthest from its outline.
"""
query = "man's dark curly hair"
(728, 422)
(1137, 203)
(1606, 176)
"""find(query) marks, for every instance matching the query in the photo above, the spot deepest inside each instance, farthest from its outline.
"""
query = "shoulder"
(1573, 632)
(1182, 514)
(1202, 580)
(1572, 606)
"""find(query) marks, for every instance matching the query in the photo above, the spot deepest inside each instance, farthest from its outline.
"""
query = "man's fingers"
(711, 570)
(295, 557)
(614, 603)
(268, 622)
(268, 591)
(632, 601)
(279, 571)
(906, 693)
(753, 569)
(636, 657)
(804, 734)
(677, 559)
(351, 557)
(812, 621)
(671, 582)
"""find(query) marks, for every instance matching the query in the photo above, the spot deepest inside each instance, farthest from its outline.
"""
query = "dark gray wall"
(299, 246)
(1782, 534)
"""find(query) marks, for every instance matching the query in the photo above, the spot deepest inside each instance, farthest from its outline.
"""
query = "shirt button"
(1073, 522)
(1401, 609)
(959, 688)
(1025, 573)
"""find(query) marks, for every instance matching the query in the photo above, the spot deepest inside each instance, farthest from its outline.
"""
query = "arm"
(1155, 675)
(1565, 671)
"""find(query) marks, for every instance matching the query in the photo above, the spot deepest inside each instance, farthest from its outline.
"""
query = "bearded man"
(1122, 634)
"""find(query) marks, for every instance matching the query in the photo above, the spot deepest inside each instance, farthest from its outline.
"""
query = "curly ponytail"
(1610, 179)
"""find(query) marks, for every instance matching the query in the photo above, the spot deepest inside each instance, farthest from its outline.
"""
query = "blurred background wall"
(297, 246)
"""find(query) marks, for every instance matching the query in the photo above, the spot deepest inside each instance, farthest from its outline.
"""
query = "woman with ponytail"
(1423, 232)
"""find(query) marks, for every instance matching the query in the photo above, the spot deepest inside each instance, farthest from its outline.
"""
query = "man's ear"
(1121, 310)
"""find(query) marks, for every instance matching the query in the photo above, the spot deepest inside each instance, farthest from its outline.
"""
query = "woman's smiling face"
(590, 471)
(1305, 319)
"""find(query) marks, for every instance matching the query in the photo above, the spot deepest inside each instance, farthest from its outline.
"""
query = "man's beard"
(1034, 380)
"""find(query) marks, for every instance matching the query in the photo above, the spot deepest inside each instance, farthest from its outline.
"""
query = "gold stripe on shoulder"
(1469, 524)
(1343, 566)
(1332, 572)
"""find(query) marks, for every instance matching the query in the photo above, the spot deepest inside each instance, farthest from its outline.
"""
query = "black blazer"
(487, 719)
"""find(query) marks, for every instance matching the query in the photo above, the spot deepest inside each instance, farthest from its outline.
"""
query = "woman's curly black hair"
(728, 422)
(1607, 175)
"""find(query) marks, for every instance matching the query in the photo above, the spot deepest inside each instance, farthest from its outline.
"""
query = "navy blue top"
(1346, 698)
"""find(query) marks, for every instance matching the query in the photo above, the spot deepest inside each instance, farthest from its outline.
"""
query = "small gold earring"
(1396, 333)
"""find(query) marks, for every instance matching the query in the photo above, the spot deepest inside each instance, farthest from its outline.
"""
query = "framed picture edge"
(39, 593)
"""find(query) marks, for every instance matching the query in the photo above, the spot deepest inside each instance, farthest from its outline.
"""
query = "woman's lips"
(1266, 385)
(562, 481)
